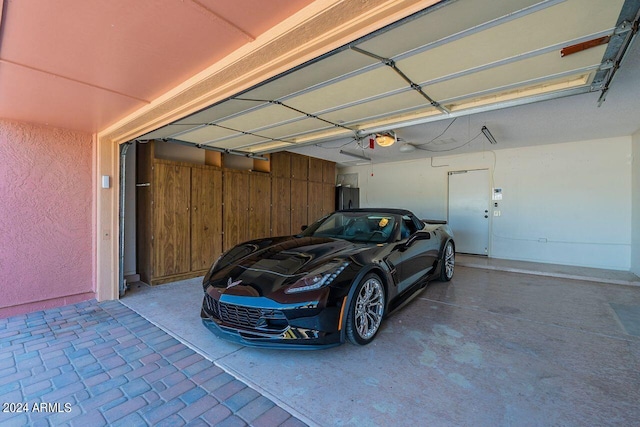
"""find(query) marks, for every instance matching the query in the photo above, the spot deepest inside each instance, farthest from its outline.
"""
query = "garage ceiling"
(454, 59)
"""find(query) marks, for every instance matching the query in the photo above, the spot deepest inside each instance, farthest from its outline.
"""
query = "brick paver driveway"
(92, 364)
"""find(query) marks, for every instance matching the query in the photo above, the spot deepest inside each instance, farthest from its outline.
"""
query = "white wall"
(635, 219)
(577, 196)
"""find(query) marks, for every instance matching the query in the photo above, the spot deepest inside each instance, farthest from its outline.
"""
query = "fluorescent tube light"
(488, 135)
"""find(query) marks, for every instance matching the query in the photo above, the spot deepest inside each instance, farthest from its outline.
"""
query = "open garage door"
(469, 210)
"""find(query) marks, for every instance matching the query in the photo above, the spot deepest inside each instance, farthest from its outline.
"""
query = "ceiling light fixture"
(356, 155)
(386, 139)
(490, 137)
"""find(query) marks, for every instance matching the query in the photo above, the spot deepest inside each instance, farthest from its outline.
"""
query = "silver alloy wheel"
(369, 308)
(449, 260)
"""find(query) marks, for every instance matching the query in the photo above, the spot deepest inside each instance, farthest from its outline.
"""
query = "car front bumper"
(279, 326)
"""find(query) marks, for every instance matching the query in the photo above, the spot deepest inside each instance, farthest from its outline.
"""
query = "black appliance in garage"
(347, 198)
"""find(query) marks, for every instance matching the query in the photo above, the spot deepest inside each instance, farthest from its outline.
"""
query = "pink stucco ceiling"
(83, 65)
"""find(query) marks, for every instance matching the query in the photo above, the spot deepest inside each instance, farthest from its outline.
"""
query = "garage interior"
(536, 102)
(513, 99)
(535, 328)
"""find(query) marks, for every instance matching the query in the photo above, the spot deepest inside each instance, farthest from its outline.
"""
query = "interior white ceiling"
(459, 63)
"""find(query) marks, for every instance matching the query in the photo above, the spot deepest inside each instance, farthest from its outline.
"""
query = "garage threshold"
(598, 275)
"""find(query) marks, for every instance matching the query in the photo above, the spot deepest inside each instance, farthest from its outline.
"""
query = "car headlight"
(318, 278)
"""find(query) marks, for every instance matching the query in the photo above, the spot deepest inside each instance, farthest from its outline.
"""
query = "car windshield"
(370, 227)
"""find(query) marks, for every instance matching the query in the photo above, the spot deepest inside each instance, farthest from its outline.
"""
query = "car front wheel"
(366, 310)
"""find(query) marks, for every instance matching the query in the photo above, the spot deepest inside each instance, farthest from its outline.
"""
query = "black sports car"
(333, 282)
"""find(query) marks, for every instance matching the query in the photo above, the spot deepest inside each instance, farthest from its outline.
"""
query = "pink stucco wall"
(45, 217)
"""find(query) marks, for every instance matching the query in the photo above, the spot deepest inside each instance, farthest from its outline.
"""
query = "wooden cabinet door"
(329, 172)
(259, 206)
(315, 169)
(299, 166)
(171, 204)
(328, 199)
(236, 208)
(314, 201)
(280, 206)
(298, 205)
(206, 217)
(281, 164)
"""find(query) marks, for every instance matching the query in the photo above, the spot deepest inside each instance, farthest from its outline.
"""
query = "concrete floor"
(491, 347)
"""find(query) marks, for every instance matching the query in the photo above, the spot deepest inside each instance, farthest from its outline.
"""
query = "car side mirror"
(304, 227)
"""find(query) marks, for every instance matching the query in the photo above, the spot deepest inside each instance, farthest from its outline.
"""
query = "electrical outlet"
(496, 213)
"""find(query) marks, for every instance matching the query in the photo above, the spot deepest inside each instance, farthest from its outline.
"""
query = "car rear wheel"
(366, 311)
(448, 262)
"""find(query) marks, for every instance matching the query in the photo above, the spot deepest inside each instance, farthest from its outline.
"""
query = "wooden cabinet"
(316, 168)
(171, 218)
(328, 199)
(299, 166)
(298, 205)
(321, 189)
(281, 165)
(236, 208)
(259, 206)
(280, 206)
(179, 218)
(314, 198)
(206, 221)
(329, 172)
(247, 207)
(290, 165)
(187, 214)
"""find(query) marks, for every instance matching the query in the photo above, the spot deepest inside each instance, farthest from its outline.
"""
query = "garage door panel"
(513, 39)
(164, 132)
(205, 134)
(366, 85)
(261, 117)
(219, 112)
(406, 100)
(441, 23)
(235, 142)
(324, 70)
(295, 128)
(521, 72)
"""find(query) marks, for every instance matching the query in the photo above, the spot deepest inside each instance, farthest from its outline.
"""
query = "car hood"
(274, 267)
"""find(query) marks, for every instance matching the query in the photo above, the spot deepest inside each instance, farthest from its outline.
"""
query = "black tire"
(366, 310)
(448, 262)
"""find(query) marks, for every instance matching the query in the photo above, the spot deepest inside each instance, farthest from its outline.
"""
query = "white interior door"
(469, 200)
